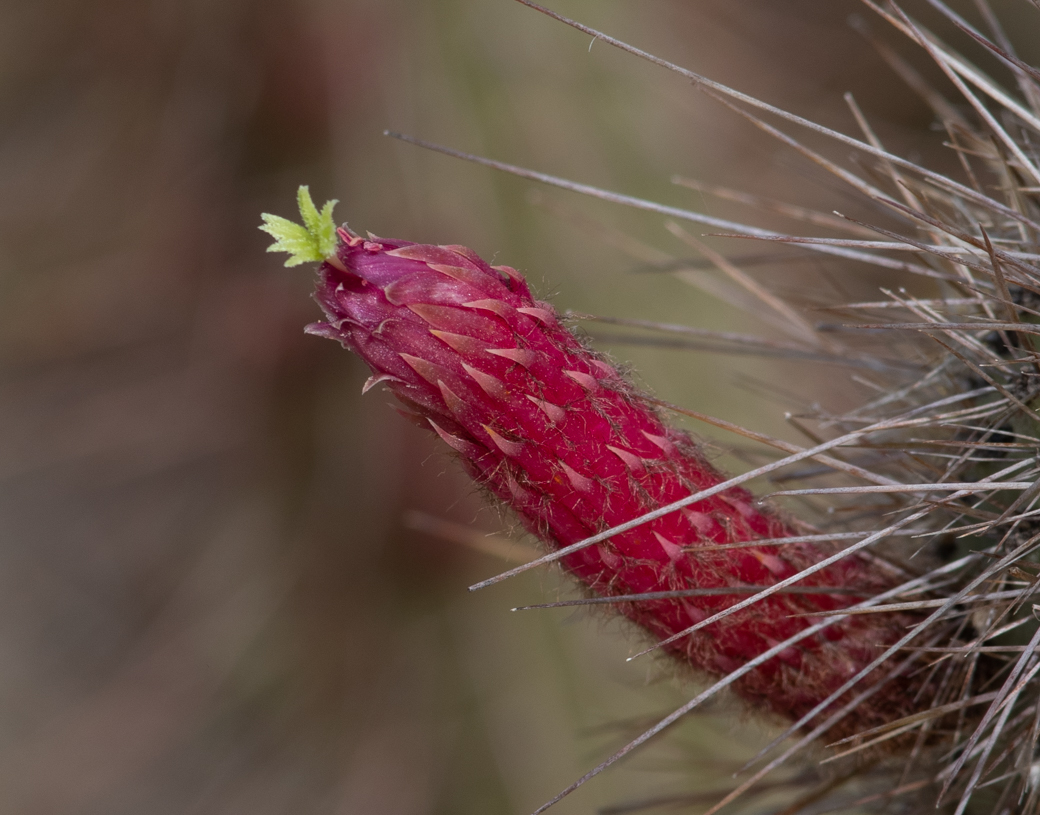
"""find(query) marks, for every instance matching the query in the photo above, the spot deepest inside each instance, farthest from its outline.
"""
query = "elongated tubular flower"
(561, 437)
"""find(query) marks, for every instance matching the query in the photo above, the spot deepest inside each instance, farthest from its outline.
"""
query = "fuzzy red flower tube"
(562, 438)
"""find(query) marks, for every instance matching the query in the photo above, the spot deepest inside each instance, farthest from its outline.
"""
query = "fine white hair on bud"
(562, 438)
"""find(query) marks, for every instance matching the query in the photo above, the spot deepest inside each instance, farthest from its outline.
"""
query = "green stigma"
(314, 241)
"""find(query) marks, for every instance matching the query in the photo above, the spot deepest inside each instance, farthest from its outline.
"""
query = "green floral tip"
(314, 241)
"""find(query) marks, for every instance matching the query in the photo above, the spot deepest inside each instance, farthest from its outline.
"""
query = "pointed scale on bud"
(573, 448)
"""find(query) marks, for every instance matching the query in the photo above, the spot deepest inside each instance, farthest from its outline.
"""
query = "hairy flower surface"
(573, 448)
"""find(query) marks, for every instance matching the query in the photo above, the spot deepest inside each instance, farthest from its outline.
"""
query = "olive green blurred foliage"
(208, 600)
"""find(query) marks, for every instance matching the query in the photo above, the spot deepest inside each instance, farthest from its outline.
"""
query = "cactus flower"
(560, 436)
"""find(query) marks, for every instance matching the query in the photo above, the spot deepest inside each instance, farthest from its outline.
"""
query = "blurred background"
(214, 597)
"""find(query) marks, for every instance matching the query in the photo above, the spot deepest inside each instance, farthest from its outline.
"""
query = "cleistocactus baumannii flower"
(561, 437)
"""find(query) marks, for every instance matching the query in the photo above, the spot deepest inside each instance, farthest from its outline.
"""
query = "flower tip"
(313, 241)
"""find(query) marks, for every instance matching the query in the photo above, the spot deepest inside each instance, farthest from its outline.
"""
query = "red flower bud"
(562, 438)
